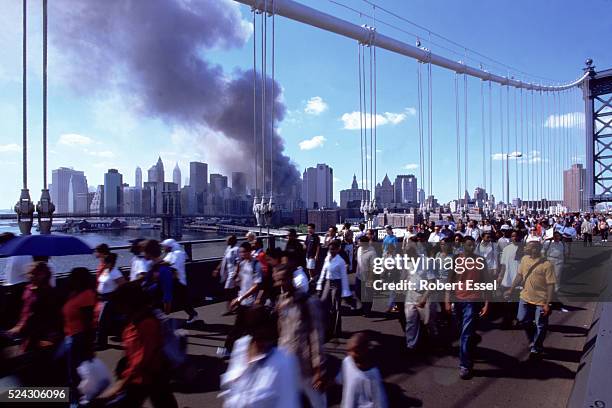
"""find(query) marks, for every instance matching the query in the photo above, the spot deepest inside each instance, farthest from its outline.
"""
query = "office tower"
(385, 192)
(156, 172)
(405, 190)
(77, 193)
(573, 187)
(176, 176)
(351, 198)
(318, 186)
(113, 189)
(97, 201)
(60, 188)
(421, 196)
(218, 183)
(138, 181)
(198, 176)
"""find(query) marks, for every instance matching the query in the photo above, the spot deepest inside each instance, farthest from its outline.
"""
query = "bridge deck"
(502, 376)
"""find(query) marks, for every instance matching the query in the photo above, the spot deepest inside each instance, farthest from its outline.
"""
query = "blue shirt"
(389, 240)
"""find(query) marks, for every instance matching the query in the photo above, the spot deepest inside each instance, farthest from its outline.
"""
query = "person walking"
(537, 276)
(313, 246)
(586, 229)
(139, 266)
(508, 269)
(332, 286)
(364, 274)
(108, 280)
(176, 257)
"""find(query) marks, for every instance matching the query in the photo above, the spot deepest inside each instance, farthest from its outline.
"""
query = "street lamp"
(513, 155)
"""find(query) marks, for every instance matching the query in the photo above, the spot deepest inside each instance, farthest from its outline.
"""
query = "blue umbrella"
(44, 245)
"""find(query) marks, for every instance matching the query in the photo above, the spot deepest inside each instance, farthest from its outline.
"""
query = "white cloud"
(411, 166)
(352, 120)
(74, 139)
(106, 154)
(571, 119)
(309, 144)
(315, 106)
(10, 148)
(527, 158)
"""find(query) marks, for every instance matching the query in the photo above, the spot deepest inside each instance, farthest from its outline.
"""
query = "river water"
(119, 238)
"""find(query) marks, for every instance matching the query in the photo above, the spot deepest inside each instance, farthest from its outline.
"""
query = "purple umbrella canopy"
(45, 245)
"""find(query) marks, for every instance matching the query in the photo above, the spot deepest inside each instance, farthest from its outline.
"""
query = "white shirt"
(268, 381)
(434, 237)
(248, 278)
(333, 269)
(554, 251)
(508, 260)
(502, 243)
(489, 253)
(16, 269)
(176, 259)
(361, 389)
(365, 261)
(300, 280)
(228, 266)
(139, 266)
(106, 281)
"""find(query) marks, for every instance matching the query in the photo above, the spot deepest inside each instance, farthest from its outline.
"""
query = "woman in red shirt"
(145, 373)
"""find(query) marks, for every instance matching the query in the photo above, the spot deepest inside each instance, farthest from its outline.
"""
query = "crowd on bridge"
(288, 302)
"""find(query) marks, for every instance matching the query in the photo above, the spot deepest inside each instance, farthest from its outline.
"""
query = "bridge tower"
(597, 94)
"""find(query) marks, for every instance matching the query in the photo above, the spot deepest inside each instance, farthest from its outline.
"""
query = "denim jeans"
(527, 313)
(467, 314)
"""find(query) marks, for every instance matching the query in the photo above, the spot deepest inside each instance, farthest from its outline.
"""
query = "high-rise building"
(77, 193)
(405, 190)
(156, 172)
(421, 196)
(132, 200)
(239, 186)
(385, 192)
(138, 181)
(97, 201)
(176, 176)
(218, 183)
(60, 188)
(113, 190)
(318, 186)
(351, 198)
(188, 200)
(573, 187)
(198, 176)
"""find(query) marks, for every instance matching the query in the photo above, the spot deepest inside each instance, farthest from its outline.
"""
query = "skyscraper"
(385, 192)
(60, 188)
(176, 176)
(239, 183)
(138, 181)
(573, 187)
(218, 182)
(198, 176)
(405, 188)
(97, 202)
(318, 186)
(77, 193)
(351, 198)
(421, 196)
(113, 190)
(156, 172)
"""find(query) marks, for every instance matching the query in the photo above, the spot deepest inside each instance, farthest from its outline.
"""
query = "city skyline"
(106, 128)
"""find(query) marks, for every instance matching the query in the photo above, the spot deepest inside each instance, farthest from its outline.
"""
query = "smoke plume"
(155, 52)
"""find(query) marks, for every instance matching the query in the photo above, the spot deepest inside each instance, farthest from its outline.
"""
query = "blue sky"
(318, 74)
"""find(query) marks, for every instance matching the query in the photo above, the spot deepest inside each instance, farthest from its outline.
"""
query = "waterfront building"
(97, 201)
(77, 193)
(138, 178)
(323, 218)
(156, 172)
(60, 188)
(132, 200)
(421, 196)
(405, 190)
(318, 187)
(198, 179)
(218, 182)
(385, 193)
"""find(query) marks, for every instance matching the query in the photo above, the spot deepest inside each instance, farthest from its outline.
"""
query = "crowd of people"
(288, 302)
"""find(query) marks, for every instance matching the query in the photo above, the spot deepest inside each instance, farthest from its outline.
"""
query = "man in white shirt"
(332, 286)
(508, 269)
(363, 282)
(176, 257)
(472, 231)
(435, 236)
(139, 265)
(488, 251)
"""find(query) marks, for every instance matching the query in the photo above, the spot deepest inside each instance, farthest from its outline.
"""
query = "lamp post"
(516, 155)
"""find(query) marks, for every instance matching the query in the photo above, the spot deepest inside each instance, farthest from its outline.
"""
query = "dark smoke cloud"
(155, 51)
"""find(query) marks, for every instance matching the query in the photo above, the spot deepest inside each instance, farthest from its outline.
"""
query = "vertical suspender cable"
(24, 98)
(420, 122)
(363, 188)
(501, 137)
(264, 43)
(44, 94)
(273, 97)
(372, 121)
(465, 131)
(522, 151)
(534, 148)
(537, 150)
(458, 139)
(374, 153)
(528, 155)
(430, 127)
(542, 150)
(490, 139)
(508, 139)
(255, 101)
(365, 124)
(516, 160)
(482, 131)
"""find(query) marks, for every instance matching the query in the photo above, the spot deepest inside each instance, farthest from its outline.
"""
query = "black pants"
(182, 298)
(238, 330)
(588, 238)
(331, 298)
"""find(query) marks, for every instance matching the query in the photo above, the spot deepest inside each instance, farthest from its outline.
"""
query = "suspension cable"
(372, 121)
(430, 128)
(24, 97)
(374, 153)
(264, 44)
(465, 132)
(508, 145)
(528, 155)
(542, 167)
(484, 143)
(458, 139)
(501, 136)
(490, 139)
(255, 101)
(522, 152)
(273, 97)
(365, 123)
(420, 124)
(533, 146)
(44, 94)
(516, 159)
(360, 120)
